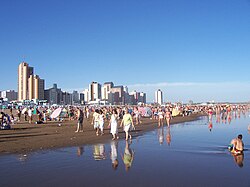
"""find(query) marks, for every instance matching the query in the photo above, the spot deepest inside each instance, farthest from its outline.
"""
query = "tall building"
(142, 97)
(158, 97)
(94, 91)
(106, 88)
(75, 97)
(24, 72)
(116, 95)
(86, 95)
(30, 86)
(35, 87)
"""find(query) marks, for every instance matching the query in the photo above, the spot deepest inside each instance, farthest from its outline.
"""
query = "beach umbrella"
(56, 113)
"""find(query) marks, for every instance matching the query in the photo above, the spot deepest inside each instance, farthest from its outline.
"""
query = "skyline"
(195, 50)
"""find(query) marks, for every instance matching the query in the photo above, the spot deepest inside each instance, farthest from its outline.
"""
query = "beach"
(25, 137)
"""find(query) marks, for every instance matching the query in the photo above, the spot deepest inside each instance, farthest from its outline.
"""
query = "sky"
(190, 49)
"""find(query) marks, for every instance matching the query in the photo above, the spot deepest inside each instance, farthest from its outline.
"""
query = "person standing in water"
(237, 145)
(168, 117)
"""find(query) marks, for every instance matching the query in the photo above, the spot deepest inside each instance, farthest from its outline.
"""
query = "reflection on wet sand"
(80, 151)
(128, 156)
(239, 158)
(99, 152)
(168, 136)
(114, 154)
(160, 135)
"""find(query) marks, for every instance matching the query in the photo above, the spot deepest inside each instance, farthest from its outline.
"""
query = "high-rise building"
(116, 95)
(142, 97)
(24, 72)
(158, 97)
(75, 97)
(86, 95)
(94, 91)
(106, 88)
(35, 87)
(30, 86)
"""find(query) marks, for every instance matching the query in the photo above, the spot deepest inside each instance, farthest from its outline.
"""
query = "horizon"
(190, 50)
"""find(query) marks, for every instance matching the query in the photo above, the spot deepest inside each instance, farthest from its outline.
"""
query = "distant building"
(82, 98)
(106, 89)
(30, 86)
(53, 95)
(158, 97)
(86, 95)
(66, 98)
(94, 91)
(11, 95)
(116, 96)
(24, 72)
(35, 87)
(75, 97)
(142, 98)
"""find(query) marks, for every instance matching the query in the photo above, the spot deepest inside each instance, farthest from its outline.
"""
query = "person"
(19, 114)
(95, 121)
(127, 121)
(80, 120)
(101, 122)
(160, 118)
(30, 114)
(113, 125)
(237, 145)
(168, 117)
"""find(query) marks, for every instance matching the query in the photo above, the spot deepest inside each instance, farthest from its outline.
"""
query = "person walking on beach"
(113, 125)
(95, 121)
(160, 118)
(101, 122)
(127, 121)
(79, 116)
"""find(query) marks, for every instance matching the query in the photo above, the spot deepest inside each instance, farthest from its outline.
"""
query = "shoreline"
(26, 138)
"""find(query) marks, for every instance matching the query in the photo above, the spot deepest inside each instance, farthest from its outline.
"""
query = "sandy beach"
(24, 137)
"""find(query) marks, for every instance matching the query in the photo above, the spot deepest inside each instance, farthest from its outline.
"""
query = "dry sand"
(24, 137)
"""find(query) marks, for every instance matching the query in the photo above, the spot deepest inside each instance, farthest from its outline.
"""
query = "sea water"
(187, 154)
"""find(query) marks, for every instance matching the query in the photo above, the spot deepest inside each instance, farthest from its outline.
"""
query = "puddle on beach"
(187, 154)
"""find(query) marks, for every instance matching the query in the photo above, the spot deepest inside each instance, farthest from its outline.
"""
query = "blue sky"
(191, 49)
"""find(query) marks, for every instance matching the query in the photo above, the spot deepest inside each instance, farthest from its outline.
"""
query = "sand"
(24, 137)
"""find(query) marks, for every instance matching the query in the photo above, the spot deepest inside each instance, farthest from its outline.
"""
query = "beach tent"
(175, 112)
(56, 113)
(145, 111)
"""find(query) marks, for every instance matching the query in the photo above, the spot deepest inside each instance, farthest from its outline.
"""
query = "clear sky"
(191, 49)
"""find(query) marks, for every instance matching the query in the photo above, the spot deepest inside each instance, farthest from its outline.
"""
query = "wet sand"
(24, 137)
